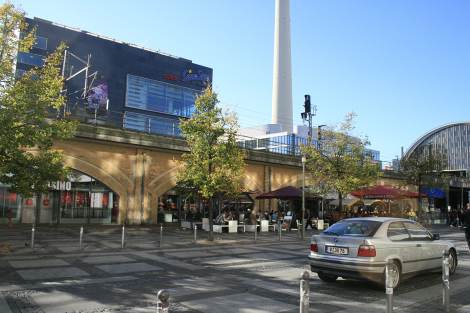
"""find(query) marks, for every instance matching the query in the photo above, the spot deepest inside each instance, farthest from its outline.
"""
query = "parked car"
(360, 247)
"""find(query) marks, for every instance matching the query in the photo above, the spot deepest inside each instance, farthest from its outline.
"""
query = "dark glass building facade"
(142, 89)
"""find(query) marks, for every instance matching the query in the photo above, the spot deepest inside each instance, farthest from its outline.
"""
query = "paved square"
(190, 254)
(107, 259)
(286, 273)
(38, 263)
(193, 286)
(234, 251)
(58, 272)
(268, 255)
(85, 247)
(222, 260)
(128, 268)
(239, 303)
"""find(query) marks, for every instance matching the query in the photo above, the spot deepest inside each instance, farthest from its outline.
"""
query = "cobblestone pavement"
(230, 274)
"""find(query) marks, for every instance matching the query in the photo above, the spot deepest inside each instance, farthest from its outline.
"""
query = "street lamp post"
(304, 159)
(461, 182)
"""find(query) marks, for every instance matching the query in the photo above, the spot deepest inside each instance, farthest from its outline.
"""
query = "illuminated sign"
(170, 77)
(189, 75)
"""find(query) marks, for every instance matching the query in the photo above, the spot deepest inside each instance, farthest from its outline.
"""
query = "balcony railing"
(136, 122)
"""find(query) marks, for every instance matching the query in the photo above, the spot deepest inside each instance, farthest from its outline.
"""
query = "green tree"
(216, 162)
(24, 120)
(424, 170)
(340, 163)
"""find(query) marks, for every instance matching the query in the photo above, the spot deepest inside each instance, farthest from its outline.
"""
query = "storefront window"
(87, 200)
(9, 203)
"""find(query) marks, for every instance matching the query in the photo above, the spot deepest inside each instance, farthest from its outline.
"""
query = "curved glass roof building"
(452, 140)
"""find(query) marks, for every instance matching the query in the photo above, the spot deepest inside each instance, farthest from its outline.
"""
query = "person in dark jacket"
(466, 224)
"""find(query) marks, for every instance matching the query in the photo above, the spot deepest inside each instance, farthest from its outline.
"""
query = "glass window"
(417, 232)
(41, 43)
(397, 232)
(152, 95)
(357, 227)
(151, 124)
(31, 59)
(8, 203)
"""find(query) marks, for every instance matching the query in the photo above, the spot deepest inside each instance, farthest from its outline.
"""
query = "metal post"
(32, 239)
(388, 285)
(122, 241)
(445, 281)
(304, 159)
(161, 234)
(304, 292)
(163, 304)
(195, 233)
(81, 237)
(299, 233)
(279, 229)
(256, 231)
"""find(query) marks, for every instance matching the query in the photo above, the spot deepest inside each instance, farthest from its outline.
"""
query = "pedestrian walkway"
(230, 274)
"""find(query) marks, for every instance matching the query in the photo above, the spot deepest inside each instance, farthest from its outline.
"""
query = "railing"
(169, 127)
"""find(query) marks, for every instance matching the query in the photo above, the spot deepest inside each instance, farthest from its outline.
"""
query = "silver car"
(360, 247)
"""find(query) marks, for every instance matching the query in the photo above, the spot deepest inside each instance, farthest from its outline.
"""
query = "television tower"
(282, 72)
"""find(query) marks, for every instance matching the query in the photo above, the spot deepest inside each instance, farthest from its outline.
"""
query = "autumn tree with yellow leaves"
(215, 163)
(27, 161)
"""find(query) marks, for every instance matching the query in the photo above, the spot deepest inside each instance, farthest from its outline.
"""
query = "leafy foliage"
(215, 163)
(340, 163)
(424, 170)
(24, 120)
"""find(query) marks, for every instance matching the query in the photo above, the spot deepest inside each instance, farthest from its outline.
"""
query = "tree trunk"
(419, 203)
(340, 197)
(211, 222)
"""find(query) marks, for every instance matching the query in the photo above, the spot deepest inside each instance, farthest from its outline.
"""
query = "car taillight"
(313, 246)
(367, 251)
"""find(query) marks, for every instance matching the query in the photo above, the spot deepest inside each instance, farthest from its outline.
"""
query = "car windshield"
(359, 228)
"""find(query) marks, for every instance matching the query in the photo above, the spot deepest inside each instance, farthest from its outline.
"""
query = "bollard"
(195, 233)
(445, 281)
(388, 285)
(279, 229)
(81, 237)
(161, 234)
(256, 231)
(304, 292)
(299, 233)
(32, 239)
(122, 241)
(163, 304)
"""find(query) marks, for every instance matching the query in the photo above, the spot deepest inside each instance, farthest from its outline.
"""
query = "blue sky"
(402, 66)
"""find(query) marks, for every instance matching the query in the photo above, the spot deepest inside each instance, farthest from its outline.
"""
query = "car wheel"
(395, 274)
(452, 262)
(326, 277)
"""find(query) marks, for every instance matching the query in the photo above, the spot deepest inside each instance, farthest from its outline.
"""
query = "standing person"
(466, 224)
(454, 218)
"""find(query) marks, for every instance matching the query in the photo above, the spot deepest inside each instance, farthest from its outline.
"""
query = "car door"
(427, 252)
(402, 245)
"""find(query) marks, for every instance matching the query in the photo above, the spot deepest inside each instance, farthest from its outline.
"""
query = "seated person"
(198, 216)
(274, 217)
(220, 219)
(251, 218)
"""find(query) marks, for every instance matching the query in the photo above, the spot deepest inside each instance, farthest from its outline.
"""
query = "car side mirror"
(436, 237)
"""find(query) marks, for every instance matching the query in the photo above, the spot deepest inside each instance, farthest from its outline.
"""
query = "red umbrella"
(287, 193)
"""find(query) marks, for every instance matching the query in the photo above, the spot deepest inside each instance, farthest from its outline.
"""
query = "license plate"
(337, 250)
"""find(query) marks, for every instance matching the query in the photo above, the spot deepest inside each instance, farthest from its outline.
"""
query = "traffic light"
(307, 104)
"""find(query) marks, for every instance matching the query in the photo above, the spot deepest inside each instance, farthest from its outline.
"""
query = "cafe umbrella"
(384, 193)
